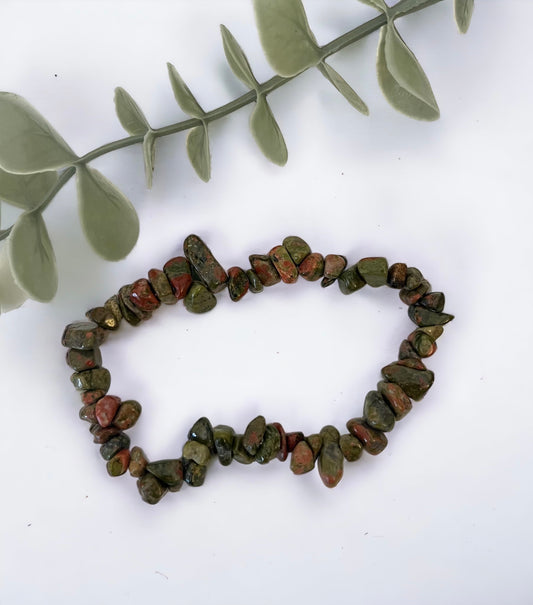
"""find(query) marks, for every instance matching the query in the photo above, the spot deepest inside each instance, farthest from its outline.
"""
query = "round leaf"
(267, 133)
(27, 141)
(32, 257)
(401, 78)
(25, 190)
(108, 218)
(198, 151)
(287, 39)
(129, 113)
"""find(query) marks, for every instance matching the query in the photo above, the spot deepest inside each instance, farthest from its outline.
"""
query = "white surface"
(444, 514)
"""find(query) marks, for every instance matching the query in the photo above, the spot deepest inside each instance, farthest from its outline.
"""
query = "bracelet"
(195, 278)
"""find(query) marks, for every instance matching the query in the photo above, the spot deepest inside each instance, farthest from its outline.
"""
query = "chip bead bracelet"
(195, 278)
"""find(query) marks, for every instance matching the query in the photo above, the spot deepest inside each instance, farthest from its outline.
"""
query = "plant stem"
(265, 88)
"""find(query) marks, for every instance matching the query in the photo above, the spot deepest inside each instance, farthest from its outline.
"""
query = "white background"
(444, 514)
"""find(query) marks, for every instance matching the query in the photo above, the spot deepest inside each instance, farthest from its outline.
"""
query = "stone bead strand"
(195, 278)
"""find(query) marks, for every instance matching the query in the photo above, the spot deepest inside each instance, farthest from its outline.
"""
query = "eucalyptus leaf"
(237, 59)
(287, 39)
(129, 113)
(198, 151)
(183, 95)
(32, 257)
(463, 10)
(267, 133)
(25, 190)
(401, 78)
(149, 157)
(379, 4)
(343, 87)
(11, 295)
(108, 218)
(28, 143)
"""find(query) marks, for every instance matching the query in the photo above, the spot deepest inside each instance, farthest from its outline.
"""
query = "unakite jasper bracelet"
(195, 278)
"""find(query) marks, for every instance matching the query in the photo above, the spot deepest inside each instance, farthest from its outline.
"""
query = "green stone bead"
(83, 335)
(161, 286)
(425, 317)
(334, 265)
(315, 443)
(373, 441)
(330, 464)
(413, 381)
(151, 489)
(253, 435)
(238, 284)
(397, 275)
(132, 315)
(312, 267)
(395, 396)
(433, 301)
(413, 278)
(194, 473)
(118, 465)
(350, 280)
(410, 297)
(138, 462)
(114, 445)
(111, 305)
(297, 248)
(329, 434)
(270, 446)
(88, 413)
(284, 264)
(377, 414)
(193, 450)
(170, 472)
(422, 343)
(351, 447)
(302, 458)
(199, 299)
(373, 270)
(433, 331)
(202, 431)
(103, 317)
(264, 269)
(127, 415)
(89, 380)
(204, 263)
(81, 360)
(239, 453)
(223, 436)
(255, 283)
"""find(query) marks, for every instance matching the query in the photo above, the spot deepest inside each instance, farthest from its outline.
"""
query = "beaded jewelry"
(195, 278)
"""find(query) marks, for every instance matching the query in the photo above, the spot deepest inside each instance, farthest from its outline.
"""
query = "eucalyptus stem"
(265, 88)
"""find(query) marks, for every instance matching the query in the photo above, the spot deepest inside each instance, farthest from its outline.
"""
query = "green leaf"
(401, 78)
(379, 4)
(237, 59)
(287, 39)
(25, 190)
(183, 95)
(129, 113)
(267, 133)
(108, 218)
(149, 157)
(11, 296)
(463, 10)
(32, 257)
(198, 151)
(343, 87)
(27, 141)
